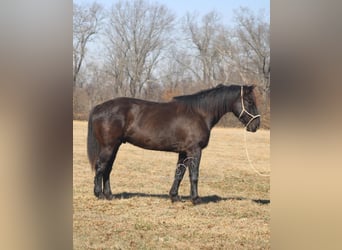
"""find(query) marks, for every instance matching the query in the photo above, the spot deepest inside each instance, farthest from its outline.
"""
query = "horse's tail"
(93, 148)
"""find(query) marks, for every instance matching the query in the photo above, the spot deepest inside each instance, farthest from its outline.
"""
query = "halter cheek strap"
(245, 111)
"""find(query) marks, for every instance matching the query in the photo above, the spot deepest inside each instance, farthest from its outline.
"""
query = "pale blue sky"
(224, 7)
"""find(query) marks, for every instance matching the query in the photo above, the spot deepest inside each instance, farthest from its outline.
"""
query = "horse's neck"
(214, 119)
(218, 112)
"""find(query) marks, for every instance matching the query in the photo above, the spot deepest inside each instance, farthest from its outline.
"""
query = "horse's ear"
(220, 85)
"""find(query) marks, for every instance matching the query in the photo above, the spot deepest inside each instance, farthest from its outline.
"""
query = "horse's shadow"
(205, 199)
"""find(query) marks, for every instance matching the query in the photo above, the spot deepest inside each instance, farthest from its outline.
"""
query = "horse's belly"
(160, 144)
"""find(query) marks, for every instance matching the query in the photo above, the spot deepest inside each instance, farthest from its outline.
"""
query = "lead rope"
(249, 160)
(245, 137)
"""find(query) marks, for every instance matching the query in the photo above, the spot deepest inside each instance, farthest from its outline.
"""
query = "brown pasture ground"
(235, 213)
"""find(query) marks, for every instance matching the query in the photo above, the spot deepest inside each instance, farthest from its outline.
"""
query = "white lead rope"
(249, 160)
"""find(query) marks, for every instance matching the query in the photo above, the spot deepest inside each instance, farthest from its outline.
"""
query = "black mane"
(217, 99)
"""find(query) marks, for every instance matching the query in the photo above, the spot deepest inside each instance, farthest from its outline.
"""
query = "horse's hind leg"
(180, 170)
(102, 168)
(106, 174)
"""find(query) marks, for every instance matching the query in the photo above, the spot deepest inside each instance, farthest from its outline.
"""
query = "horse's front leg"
(193, 162)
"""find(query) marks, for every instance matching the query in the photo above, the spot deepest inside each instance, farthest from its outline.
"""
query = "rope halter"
(245, 111)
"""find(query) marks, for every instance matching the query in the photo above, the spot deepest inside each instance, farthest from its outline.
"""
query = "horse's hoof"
(100, 196)
(175, 198)
(109, 196)
(196, 201)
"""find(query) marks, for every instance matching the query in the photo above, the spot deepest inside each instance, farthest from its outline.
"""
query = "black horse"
(182, 125)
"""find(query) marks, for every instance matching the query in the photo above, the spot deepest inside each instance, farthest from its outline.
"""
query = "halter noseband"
(245, 111)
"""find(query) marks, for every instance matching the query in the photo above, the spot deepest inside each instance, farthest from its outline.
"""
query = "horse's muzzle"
(254, 125)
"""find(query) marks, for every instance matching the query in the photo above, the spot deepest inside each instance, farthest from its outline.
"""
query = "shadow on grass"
(205, 199)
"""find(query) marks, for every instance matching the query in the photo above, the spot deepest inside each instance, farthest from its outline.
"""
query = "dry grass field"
(235, 213)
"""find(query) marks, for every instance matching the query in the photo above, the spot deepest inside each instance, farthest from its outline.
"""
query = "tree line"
(144, 51)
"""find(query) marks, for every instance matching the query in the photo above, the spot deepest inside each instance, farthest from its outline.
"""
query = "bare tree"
(137, 34)
(253, 44)
(86, 23)
(203, 35)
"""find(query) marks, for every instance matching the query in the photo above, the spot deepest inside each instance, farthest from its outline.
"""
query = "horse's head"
(246, 110)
